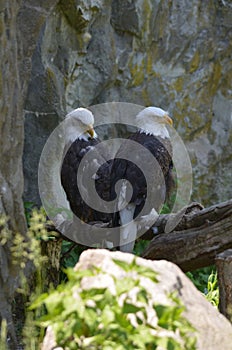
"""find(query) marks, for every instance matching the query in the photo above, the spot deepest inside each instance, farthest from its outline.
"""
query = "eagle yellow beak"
(90, 131)
(168, 120)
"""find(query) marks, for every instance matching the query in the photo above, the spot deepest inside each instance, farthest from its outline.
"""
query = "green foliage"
(24, 249)
(212, 289)
(170, 318)
(28, 207)
(3, 335)
(115, 315)
(205, 280)
(6, 233)
(200, 277)
(166, 209)
(140, 246)
(70, 253)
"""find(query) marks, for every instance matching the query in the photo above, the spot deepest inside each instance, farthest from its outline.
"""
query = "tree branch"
(196, 240)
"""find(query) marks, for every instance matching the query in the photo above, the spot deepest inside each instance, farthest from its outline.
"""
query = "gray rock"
(20, 24)
(176, 55)
(213, 330)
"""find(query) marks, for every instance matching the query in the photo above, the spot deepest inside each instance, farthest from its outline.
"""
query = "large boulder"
(213, 330)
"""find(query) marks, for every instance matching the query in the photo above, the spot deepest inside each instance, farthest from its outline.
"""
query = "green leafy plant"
(25, 251)
(205, 279)
(70, 253)
(25, 248)
(84, 315)
(212, 289)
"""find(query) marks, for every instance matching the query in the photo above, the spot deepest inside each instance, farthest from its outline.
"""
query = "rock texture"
(213, 330)
(174, 54)
(20, 23)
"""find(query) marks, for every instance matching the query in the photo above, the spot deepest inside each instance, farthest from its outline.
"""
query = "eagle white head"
(153, 120)
(79, 125)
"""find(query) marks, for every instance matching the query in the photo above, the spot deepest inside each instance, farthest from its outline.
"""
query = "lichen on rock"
(161, 53)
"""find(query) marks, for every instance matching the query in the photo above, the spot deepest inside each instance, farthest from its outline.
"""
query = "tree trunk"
(196, 240)
(224, 271)
(21, 23)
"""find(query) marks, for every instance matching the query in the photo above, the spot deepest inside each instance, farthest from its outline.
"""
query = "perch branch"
(196, 240)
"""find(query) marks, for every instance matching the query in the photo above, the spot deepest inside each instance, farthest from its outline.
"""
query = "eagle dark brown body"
(69, 171)
(147, 167)
(160, 177)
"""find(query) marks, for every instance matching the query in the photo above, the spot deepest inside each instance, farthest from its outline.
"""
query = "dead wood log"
(196, 240)
(200, 235)
(224, 270)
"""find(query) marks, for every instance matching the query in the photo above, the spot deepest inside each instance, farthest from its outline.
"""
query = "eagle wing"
(156, 179)
(69, 170)
(126, 169)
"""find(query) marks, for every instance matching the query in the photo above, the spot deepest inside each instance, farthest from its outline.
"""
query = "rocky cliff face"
(20, 23)
(173, 54)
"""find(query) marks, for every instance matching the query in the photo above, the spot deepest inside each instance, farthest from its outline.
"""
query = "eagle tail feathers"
(128, 229)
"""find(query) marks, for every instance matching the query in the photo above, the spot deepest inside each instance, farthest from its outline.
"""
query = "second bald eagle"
(153, 173)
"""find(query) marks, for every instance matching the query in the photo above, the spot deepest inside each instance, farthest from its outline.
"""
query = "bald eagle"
(81, 138)
(154, 138)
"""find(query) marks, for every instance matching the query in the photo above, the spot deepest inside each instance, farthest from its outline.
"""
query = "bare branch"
(197, 239)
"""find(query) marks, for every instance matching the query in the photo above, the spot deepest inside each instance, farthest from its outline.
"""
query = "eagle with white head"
(80, 138)
(153, 136)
